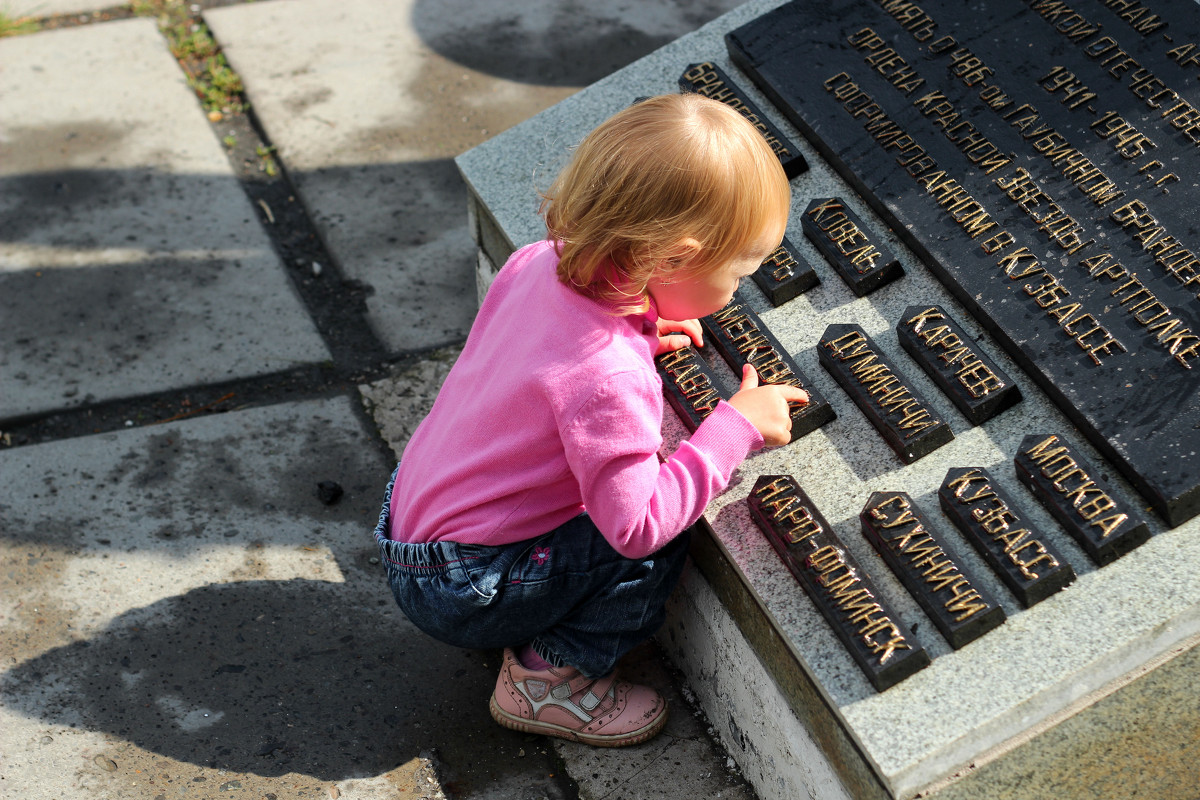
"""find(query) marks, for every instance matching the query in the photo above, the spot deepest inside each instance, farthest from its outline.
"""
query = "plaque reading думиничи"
(838, 586)
(1032, 157)
(905, 420)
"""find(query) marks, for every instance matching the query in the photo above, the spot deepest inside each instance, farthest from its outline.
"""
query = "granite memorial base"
(1029, 167)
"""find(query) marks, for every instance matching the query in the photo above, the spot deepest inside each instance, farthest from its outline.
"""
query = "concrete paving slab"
(49, 8)
(367, 119)
(130, 259)
(369, 103)
(181, 616)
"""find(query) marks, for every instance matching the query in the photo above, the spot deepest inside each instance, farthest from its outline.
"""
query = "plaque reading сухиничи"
(1026, 155)
(960, 608)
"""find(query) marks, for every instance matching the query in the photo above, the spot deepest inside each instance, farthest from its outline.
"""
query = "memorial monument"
(980, 555)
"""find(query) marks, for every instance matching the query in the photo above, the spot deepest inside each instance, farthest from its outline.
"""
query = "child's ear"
(683, 253)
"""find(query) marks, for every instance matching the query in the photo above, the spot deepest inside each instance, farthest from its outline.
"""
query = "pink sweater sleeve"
(638, 503)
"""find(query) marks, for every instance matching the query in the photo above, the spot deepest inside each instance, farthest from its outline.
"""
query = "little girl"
(530, 510)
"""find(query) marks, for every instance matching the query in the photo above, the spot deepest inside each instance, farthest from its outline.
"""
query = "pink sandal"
(561, 701)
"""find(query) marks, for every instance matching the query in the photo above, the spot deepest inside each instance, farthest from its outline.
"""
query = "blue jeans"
(568, 592)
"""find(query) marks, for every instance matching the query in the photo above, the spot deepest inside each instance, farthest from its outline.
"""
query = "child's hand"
(669, 338)
(766, 407)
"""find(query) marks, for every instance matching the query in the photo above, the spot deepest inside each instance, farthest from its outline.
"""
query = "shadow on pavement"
(555, 42)
(272, 677)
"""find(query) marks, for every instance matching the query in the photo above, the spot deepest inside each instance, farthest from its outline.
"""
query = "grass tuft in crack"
(16, 26)
(215, 83)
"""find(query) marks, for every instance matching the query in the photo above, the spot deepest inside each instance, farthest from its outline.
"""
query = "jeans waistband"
(424, 559)
(417, 559)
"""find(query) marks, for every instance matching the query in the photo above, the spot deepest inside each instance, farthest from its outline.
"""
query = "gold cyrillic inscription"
(1020, 547)
(707, 81)
(927, 558)
(972, 374)
(754, 346)
(1169, 252)
(893, 397)
(792, 517)
(1088, 499)
(850, 240)
(844, 588)
(694, 384)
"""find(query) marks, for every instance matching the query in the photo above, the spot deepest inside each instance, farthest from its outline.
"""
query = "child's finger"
(749, 377)
(671, 342)
(793, 394)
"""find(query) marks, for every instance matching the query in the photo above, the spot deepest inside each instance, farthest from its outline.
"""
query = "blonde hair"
(666, 169)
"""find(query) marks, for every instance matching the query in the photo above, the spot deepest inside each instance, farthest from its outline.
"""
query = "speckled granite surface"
(1043, 662)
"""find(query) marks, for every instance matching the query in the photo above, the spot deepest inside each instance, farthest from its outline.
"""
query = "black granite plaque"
(994, 524)
(862, 261)
(689, 385)
(1078, 496)
(1039, 158)
(741, 338)
(711, 81)
(954, 361)
(785, 274)
(960, 608)
(910, 426)
(842, 591)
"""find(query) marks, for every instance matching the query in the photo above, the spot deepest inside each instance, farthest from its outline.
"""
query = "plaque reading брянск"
(711, 81)
(1025, 155)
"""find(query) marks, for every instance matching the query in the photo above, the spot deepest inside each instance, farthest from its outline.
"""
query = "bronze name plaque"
(994, 524)
(689, 385)
(960, 608)
(843, 593)
(785, 274)
(974, 383)
(1039, 158)
(1079, 498)
(711, 81)
(740, 336)
(862, 261)
(910, 426)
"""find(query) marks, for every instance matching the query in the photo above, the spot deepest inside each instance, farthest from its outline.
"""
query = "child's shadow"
(272, 677)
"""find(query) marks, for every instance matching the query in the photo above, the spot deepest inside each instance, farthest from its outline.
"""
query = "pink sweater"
(554, 408)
